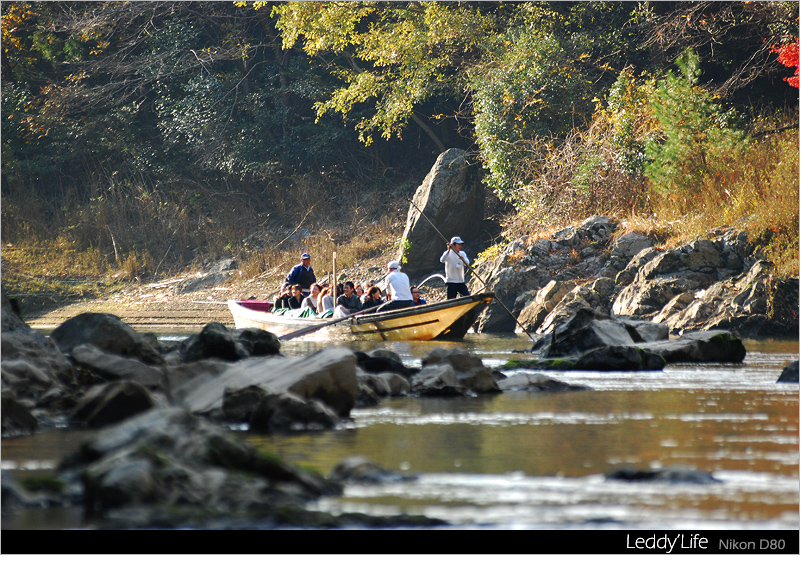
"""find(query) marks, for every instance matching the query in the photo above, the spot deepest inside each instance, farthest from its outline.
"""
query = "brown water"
(534, 460)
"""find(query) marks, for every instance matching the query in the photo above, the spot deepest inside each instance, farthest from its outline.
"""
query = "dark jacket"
(353, 303)
(302, 276)
(369, 303)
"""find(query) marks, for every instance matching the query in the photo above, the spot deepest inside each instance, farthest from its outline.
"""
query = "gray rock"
(584, 330)
(329, 376)
(359, 469)
(465, 370)
(201, 281)
(452, 197)
(110, 403)
(602, 358)
(534, 381)
(645, 331)
(631, 243)
(108, 333)
(17, 419)
(287, 411)
(700, 346)
(111, 367)
(21, 342)
(224, 265)
(214, 341)
(168, 458)
(673, 474)
(790, 373)
(239, 405)
(532, 316)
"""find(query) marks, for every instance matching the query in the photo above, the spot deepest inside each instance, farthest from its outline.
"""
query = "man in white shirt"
(454, 260)
(398, 289)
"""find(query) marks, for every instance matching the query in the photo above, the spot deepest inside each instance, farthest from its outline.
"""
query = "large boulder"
(329, 376)
(218, 341)
(584, 330)
(452, 197)
(108, 333)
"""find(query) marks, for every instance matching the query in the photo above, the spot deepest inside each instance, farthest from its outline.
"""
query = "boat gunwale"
(363, 319)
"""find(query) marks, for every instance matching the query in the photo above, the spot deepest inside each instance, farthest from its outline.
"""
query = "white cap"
(456, 240)
(394, 265)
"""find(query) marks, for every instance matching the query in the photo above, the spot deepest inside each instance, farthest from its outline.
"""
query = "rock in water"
(790, 373)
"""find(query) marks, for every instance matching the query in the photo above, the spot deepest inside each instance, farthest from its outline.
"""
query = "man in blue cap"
(302, 274)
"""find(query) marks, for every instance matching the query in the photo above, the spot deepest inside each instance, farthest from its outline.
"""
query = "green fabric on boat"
(325, 314)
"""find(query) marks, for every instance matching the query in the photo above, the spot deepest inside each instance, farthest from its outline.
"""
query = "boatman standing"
(454, 260)
(302, 274)
(398, 289)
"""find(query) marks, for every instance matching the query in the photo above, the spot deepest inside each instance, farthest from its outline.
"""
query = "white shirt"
(453, 265)
(398, 286)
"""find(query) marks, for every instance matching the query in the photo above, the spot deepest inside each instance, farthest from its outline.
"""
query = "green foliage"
(394, 55)
(698, 136)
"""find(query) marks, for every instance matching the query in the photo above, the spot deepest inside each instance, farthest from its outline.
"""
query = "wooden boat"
(445, 320)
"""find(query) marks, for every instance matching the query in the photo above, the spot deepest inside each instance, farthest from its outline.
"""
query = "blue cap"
(304, 256)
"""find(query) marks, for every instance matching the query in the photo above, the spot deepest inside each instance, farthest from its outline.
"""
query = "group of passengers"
(302, 296)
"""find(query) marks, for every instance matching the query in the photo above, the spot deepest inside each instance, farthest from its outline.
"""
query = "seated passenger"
(417, 300)
(282, 301)
(311, 300)
(373, 299)
(347, 303)
(325, 301)
(296, 299)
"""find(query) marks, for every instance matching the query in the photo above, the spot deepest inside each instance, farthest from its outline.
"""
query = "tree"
(697, 134)
(398, 55)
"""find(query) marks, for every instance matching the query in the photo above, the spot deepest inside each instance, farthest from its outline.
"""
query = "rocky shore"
(162, 454)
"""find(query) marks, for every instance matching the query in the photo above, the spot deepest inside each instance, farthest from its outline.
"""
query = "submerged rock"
(537, 382)
(673, 474)
(358, 469)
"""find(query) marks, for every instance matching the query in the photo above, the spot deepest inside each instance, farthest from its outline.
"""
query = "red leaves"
(788, 55)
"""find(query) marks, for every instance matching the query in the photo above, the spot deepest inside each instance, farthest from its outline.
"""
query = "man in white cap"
(398, 289)
(302, 274)
(454, 260)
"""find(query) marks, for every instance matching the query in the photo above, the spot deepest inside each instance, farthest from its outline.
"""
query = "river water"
(530, 460)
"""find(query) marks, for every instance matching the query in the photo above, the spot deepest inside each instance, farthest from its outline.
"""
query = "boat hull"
(445, 320)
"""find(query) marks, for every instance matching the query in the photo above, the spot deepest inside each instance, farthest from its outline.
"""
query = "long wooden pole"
(471, 269)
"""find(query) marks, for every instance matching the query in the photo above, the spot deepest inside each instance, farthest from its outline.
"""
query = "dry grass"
(757, 190)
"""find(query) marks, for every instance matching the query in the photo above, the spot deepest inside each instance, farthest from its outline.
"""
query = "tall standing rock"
(453, 199)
